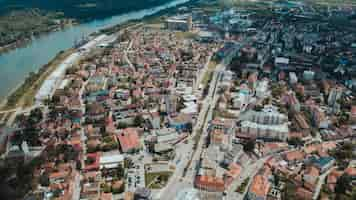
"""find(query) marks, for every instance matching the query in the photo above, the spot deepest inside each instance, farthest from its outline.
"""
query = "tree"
(122, 125)
(36, 116)
(127, 163)
(78, 165)
(295, 141)
(249, 146)
(138, 121)
(44, 180)
(342, 184)
(120, 172)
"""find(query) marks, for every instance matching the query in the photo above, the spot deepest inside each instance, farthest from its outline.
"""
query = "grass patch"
(157, 180)
(241, 189)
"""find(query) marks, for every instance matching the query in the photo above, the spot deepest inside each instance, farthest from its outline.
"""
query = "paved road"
(320, 183)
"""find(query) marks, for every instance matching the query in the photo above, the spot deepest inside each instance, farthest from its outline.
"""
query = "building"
(262, 89)
(293, 78)
(179, 23)
(265, 124)
(262, 131)
(334, 95)
(181, 122)
(268, 116)
(111, 160)
(226, 125)
(308, 75)
(322, 163)
(259, 188)
(129, 140)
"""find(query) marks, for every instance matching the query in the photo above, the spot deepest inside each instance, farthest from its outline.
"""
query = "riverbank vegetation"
(19, 26)
(82, 9)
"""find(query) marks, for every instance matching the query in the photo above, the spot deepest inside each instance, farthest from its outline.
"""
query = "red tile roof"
(350, 171)
(210, 183)
(129, 139)
(294, 155)
(260, 186)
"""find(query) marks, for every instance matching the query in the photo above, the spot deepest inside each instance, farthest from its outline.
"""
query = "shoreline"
(23, 87)
(110, 30)
(28, 39)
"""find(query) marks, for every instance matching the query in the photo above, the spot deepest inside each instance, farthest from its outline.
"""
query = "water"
(17, 64)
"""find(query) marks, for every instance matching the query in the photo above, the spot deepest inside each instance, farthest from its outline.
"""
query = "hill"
(80, 9)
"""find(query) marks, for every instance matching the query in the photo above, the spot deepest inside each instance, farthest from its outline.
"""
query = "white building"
(268, 116)
(111, 160)
(264, 131)
(308, 75)
(265, 124)
(293, 78)
(262, 89)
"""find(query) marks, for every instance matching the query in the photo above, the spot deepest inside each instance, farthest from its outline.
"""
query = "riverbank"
(19, 27)
(23, 95)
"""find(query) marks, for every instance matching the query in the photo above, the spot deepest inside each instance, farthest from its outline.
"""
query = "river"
(15, 65)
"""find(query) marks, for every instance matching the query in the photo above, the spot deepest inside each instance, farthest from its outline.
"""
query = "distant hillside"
(81, 9)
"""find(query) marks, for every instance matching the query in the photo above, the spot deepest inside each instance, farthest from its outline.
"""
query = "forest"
(80, 9)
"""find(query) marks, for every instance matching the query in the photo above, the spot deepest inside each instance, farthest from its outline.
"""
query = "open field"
(157, 180)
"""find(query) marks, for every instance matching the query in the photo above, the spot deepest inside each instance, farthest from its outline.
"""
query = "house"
(259, 188)
(294, 156)
(209, 183)
(129, 140)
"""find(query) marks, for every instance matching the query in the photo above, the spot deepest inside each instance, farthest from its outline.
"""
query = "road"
(179, 181)
(320, 183)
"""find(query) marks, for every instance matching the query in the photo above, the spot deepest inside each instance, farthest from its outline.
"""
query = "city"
(253, 101)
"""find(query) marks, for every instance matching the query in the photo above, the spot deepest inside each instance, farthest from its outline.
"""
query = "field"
(157, 180)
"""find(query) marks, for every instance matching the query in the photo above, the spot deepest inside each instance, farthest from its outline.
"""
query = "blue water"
(17, 64)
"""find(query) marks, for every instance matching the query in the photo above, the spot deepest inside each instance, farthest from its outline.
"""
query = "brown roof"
(294, 155)
(260, 186)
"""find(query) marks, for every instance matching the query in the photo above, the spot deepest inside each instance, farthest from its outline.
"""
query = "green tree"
(342, 184)
(138, 121)
(249, 146)
(44, 180)
(120, 172)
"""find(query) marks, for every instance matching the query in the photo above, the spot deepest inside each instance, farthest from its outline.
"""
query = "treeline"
(81, 9)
